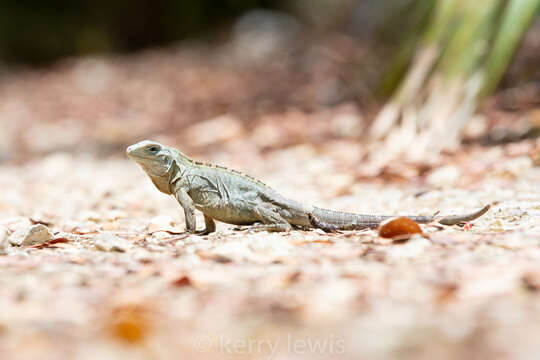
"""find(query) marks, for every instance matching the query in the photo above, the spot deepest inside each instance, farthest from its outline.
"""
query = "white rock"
(4, 240)
(347, 125)
(16, 223)
(476, 126)
(35, 234)
(445, 176)
(115, 215)
(91, 216)
(161, 223)
(517, 166)
(109, 242)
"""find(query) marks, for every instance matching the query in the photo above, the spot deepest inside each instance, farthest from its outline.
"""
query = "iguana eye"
(152, 149)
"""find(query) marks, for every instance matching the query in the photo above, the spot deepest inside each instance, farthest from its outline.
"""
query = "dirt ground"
(118, 278)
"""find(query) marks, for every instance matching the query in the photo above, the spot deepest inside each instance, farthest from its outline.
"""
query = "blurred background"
(96, 75)
(367, 106)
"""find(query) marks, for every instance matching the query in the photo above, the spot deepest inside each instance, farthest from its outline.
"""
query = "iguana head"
(155, 159)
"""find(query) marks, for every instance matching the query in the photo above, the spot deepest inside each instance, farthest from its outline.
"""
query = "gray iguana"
(235, 198)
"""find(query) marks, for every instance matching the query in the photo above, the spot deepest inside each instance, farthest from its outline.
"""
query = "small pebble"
(35, 234)
(444, 177)
(161, 223)
(4, 242)
(109, 242)
(517, 166)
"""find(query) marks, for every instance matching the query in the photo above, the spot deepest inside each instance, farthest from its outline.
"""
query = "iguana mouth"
(130, 152)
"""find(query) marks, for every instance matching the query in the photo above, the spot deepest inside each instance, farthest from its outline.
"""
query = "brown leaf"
(36, 221)
(169, 232)
(446, 293)
(531, 281)
(129, 323)
(165, 224)
(182, 281)
(205, 255)
(49, 244)
(399, 228)
(292, 278)
(78, 260)
(317, 241)
(535, 156)
(59, 240)
(79, 231)
(111, 225)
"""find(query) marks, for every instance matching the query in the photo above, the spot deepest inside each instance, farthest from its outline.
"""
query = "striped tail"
(330, 220)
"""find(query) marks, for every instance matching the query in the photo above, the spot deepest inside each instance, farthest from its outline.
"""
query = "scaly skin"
(232, 197)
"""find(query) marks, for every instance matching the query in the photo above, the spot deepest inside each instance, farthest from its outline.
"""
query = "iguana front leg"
(189, 209)
(189, 213)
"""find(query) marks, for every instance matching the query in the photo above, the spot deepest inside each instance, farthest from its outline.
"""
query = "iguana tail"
(330, 220)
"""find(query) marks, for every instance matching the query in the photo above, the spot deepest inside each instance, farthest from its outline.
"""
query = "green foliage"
(417, 17)
(513, 24)
(457, 59)
(41, 31)
(471, 36)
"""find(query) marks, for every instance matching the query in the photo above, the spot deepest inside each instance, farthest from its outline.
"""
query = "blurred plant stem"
(516, 19)
(456, 60)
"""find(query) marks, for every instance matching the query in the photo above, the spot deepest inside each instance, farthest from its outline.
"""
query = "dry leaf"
(182, 281)
(130, 323)
(446, 293)
(317, 241)
(215, 257)
(49, 244)
(399, 228)
(111, 225)
(531, 281)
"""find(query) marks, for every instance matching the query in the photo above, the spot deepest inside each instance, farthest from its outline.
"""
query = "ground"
(120, 278)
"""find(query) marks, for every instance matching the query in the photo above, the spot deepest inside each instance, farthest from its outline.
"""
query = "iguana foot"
(199, 232)
(317, 224)
(271, 219)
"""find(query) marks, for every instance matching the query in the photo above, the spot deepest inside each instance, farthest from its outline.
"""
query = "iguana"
(235, 198)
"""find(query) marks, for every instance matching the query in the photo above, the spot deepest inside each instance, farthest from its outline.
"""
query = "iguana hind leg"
(210, 226)
(271, 219)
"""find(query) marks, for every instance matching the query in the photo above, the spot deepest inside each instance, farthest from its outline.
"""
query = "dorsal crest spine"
(232, 171)
(229, 170)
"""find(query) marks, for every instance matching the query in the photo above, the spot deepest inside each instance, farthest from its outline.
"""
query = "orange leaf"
(400, 228)
(130, 323)
(182, 281)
